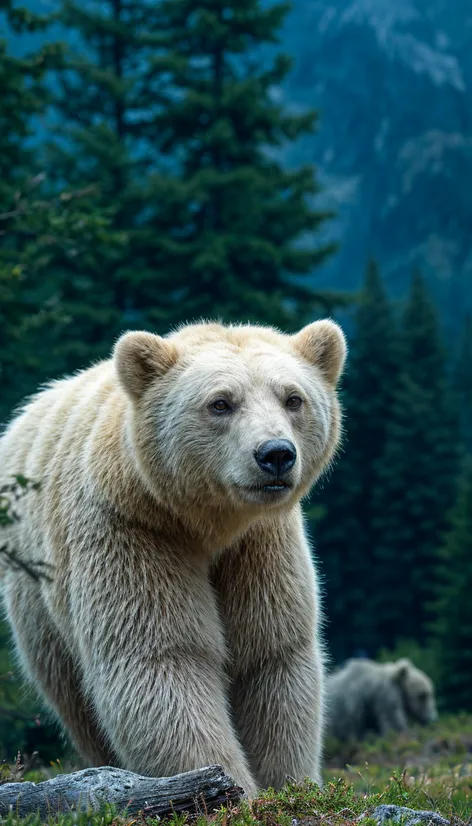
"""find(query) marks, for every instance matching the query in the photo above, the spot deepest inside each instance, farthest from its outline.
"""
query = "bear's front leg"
(269, 604)
(388, 710)
(152, 652)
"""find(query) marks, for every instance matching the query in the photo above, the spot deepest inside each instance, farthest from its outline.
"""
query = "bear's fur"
(181, 624)
(365, 696)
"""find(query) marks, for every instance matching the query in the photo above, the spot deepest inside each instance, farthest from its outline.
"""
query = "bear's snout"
(276, 456)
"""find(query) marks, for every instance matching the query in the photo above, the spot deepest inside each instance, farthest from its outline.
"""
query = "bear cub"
(365, 696)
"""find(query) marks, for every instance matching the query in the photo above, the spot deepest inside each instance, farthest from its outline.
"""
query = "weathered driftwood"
(196, 791)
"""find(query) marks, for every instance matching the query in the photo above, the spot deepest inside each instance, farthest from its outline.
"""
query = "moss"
(428, 768)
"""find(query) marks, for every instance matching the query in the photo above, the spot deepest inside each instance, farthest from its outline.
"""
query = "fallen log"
(202, 790)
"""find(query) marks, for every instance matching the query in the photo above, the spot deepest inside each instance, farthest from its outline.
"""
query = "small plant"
(11, 496)
(12, 773)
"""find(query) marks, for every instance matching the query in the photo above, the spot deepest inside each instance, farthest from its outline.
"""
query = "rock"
(406, 817)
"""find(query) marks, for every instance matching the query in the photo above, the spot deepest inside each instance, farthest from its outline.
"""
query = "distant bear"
(367, 696)
(181, 625)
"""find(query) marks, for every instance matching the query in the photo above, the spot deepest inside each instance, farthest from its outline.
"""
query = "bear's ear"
(140, 358)
(323, 343)
(401, 669)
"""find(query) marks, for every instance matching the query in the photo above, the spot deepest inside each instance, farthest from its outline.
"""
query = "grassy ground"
(427, 768)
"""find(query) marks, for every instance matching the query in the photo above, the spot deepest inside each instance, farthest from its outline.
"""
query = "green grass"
(428, 768)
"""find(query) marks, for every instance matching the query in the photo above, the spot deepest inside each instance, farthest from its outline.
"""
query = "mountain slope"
(393, 82)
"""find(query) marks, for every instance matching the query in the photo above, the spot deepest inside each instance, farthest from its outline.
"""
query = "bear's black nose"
(277, 456)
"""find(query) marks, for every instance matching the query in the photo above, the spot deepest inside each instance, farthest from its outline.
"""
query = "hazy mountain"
(392, 80)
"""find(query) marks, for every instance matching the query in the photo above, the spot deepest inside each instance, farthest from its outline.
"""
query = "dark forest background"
(161, 162)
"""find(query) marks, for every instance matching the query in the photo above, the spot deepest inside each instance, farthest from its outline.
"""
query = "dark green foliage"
(23, 724)
(231, 219)
(105, 137)
(55, 251)
(22, 97)
(52, 246)
(169, 110)
(453, 627)
(347, 536)
(387, 502)
(417, 477)
(462, 385)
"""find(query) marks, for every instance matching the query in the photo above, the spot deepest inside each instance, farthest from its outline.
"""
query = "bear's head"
(236, 417)
(417, 691)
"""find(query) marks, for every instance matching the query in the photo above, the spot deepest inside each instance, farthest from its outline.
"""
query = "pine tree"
(453, 627)
(462, 385)
(167, 108)
(22, 97)
(241, 214)
(346, 536)
(417, 475)
(45, 240)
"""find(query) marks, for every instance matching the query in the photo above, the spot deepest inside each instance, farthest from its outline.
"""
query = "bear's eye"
(220, 406)
(294, 402)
